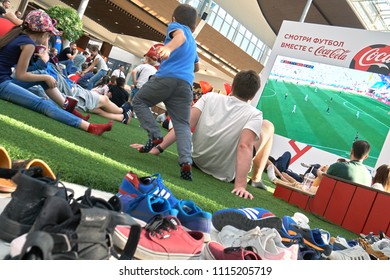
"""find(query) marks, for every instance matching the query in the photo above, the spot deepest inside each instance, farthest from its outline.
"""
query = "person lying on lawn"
(88, 100)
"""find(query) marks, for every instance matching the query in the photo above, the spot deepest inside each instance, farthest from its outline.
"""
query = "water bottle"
(308, 181)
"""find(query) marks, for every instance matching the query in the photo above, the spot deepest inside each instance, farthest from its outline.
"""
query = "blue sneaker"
(146, 206)
(316, 238)
(245, 218)
(134, 186)
(194, 218)
(290, 237)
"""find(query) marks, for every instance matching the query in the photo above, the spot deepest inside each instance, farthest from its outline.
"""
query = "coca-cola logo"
(375, 58)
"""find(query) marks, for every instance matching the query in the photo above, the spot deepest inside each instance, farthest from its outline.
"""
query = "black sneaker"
(127, 107)
(26, 203)
(89, 201)
(186, 171)
(88, 230)
(150, 144)
(41, 245)
(126, 117)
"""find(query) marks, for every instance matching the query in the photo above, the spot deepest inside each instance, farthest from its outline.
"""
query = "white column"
(305, 11)
(82, 7)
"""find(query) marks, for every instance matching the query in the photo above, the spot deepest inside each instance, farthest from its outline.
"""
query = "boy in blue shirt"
(172, 84)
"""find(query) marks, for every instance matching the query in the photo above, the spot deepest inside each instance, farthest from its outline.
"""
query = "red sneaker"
(215, 251)
(165, 239)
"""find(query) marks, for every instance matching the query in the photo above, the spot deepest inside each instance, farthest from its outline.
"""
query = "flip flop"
(27, 164)
(6, 184)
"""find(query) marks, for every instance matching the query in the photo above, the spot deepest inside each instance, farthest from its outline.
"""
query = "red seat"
(282, 192)
(359, 209)
(379, 217)
(300, 199)
(339, 202)
(320, 201)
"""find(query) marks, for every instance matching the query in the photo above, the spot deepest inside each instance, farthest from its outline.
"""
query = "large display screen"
(326, 106)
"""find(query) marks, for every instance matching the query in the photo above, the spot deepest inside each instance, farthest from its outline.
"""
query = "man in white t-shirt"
(230, 135)
(120, 72)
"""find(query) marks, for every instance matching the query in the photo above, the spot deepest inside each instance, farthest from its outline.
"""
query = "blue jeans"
(14, 93)
(283, 163)
(69, 64)
(93, 80)
(27, 85)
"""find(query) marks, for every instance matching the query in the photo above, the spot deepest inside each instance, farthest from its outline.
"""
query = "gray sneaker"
(258, 185)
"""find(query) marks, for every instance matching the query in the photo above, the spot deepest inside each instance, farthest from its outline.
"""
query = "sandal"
(6, 173)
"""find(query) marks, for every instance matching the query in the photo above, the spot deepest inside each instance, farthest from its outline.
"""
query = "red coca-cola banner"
(375, 58)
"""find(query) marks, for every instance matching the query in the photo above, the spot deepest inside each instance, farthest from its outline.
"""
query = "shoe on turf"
(150, 144)
(374, 254)
(315, 238)
(340, 243)
(26, 203)
(6, 173)
(382, 245)
(134, 186)
(145, 207)
(127, 107)
(215, 251)
(301, 219)
(245, 218)
(258, 185)
(86, 232)
(266, 242)
(186, 171)
(371, 238)
(290, 238)
(194, 218)
(352, 253)
(89, 201)
(382, 235)
(165, 239)
(127, 117)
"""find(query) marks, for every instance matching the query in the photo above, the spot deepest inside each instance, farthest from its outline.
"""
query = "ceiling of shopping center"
(329, 12)
(117, 20)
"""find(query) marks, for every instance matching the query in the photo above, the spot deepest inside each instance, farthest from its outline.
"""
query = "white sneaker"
(340, 242)
(382, 245)
(353, 253)
(266, 242)
(301, 220)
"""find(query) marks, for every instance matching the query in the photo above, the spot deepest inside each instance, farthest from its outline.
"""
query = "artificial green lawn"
(102, 162)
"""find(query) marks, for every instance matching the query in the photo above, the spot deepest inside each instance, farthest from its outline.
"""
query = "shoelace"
(161, 227)
(158, 188)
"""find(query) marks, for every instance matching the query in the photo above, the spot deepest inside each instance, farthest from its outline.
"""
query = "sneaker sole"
(10, 229)
(143, 253)
(241, 222)
(207, 255)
